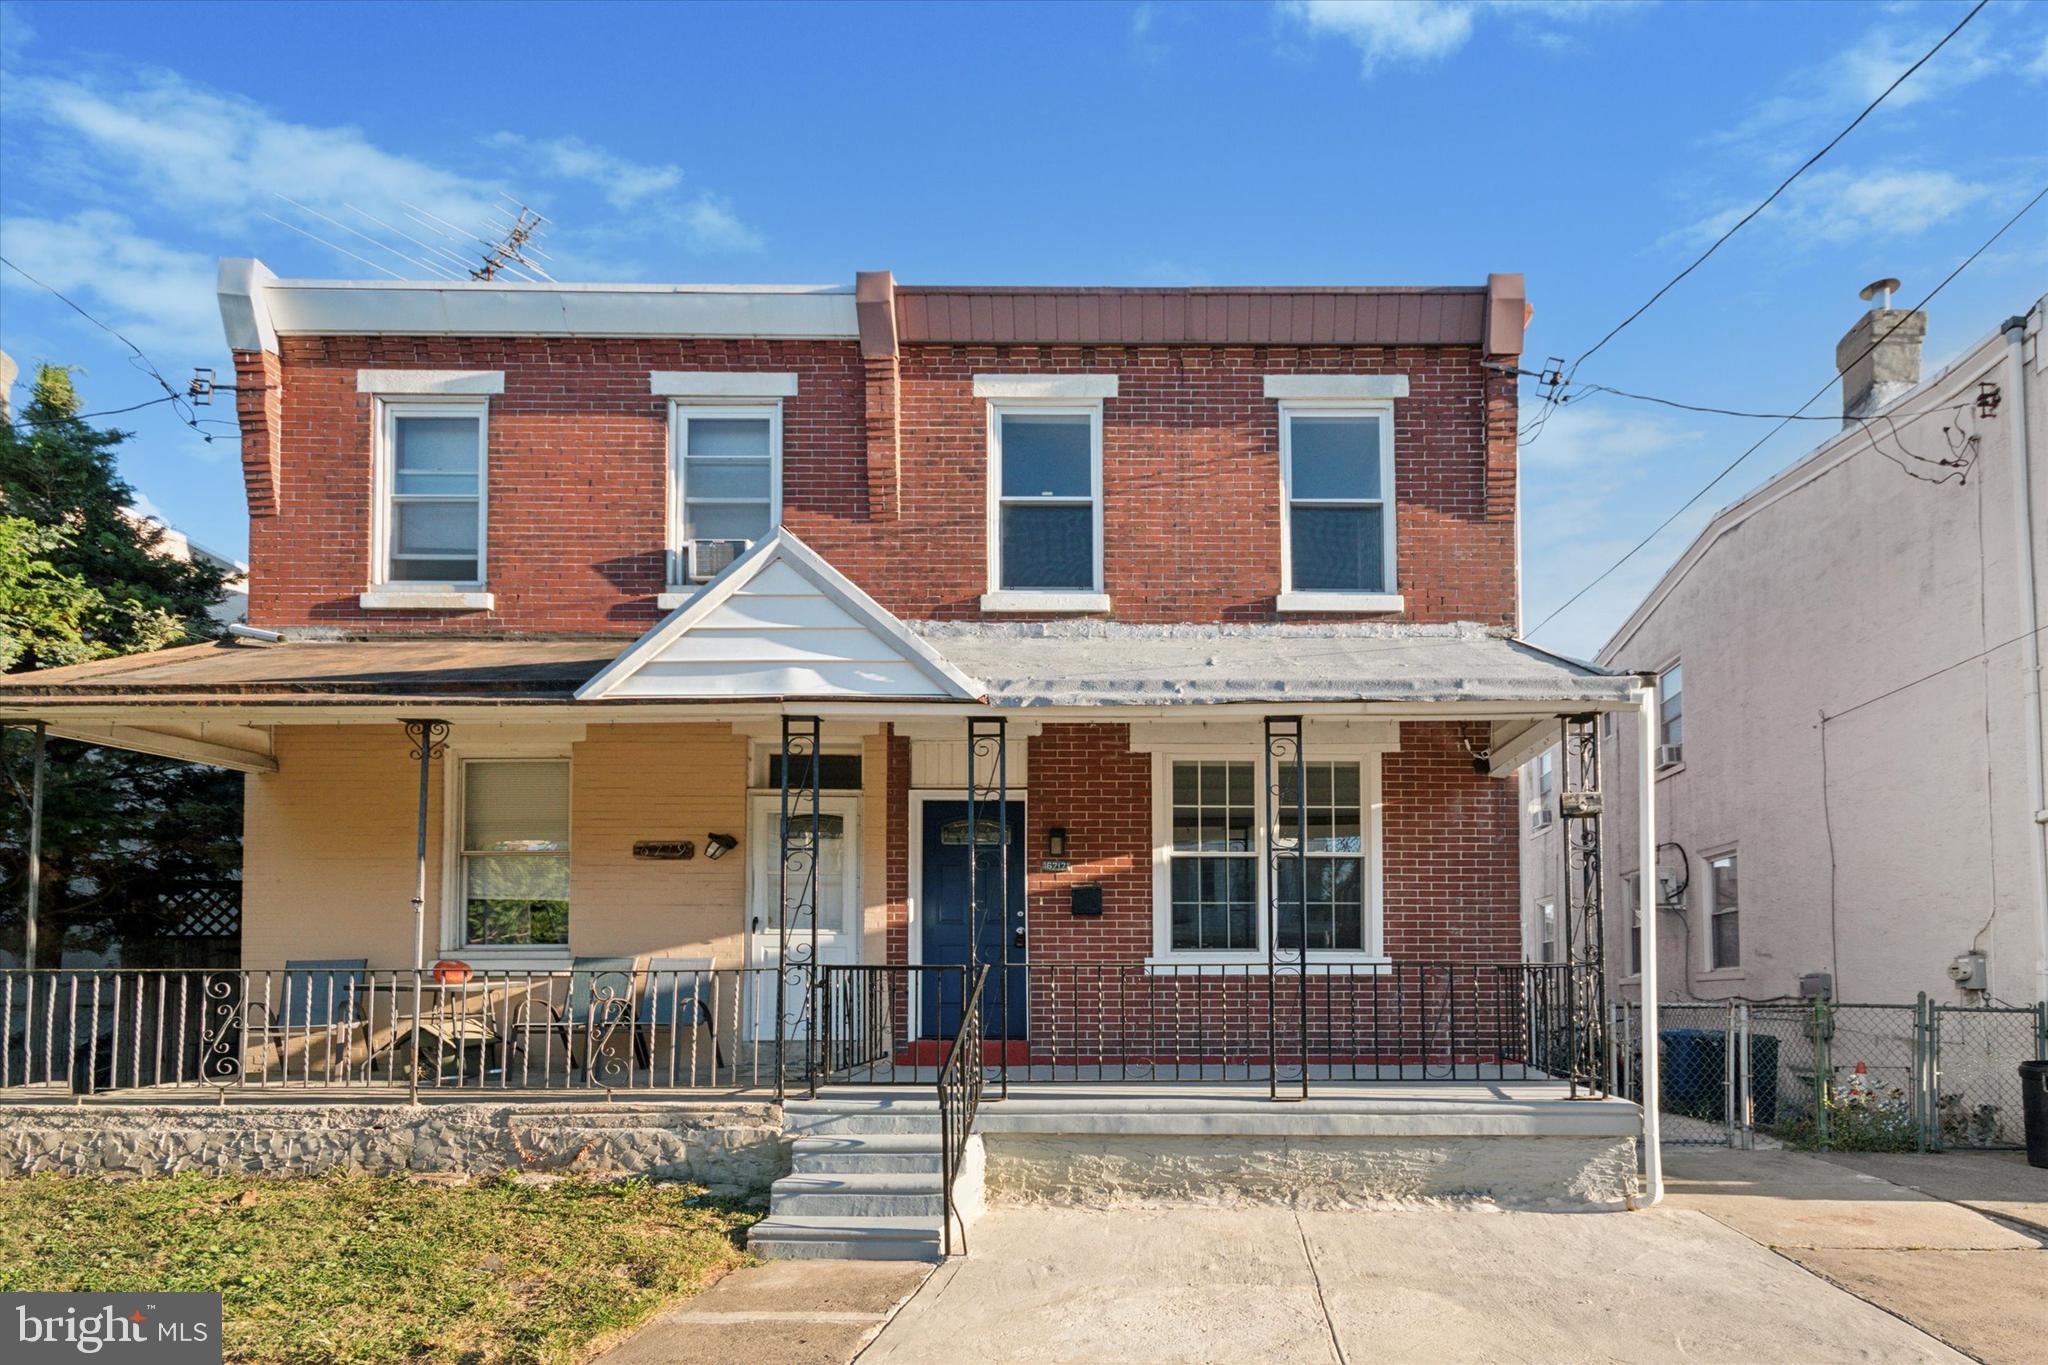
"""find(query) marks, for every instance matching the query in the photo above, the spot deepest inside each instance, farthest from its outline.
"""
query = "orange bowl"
(448, 972)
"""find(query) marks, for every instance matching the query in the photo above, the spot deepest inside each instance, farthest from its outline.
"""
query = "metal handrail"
(959, 1098)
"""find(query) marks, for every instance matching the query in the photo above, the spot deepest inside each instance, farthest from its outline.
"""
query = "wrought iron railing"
(960, 1080)
(327, 1026)
(868, 1019)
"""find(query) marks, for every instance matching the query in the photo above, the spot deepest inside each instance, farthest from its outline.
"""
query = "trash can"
(2034, 1095)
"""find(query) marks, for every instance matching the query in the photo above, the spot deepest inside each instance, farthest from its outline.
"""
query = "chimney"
(1875, 371)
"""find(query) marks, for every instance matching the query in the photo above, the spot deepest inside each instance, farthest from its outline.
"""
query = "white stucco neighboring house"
(1849, 768)
(233, 608)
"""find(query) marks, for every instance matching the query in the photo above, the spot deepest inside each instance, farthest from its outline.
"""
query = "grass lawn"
(362, 1269)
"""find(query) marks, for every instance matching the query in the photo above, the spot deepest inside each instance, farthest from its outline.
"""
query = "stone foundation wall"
(732, 1149)
(1110, 1170)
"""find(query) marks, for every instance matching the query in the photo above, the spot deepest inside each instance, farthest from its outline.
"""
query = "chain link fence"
(1823, 1076)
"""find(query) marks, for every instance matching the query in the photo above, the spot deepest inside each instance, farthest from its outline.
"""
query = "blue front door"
(946, 918)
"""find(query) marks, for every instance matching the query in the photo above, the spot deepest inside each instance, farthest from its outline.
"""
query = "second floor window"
(1047, 535)
(1724, 914)
(1540, 805)
(727, 485)
(1337, 473)
(432, 526)
(1671, 711)
(1546, 931)
(1632, 908)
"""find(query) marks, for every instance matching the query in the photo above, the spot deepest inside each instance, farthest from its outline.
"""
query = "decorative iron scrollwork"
(1287, 852)
(796, 959)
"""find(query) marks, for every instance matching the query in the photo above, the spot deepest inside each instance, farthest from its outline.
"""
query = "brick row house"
(792, 654)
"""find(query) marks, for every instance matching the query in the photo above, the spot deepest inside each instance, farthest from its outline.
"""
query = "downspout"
(2015, 330)
(1646, 854)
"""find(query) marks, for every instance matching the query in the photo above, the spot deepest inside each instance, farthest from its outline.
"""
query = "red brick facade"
(884, 474)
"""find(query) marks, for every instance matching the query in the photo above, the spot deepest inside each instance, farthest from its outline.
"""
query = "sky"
(1597, 148)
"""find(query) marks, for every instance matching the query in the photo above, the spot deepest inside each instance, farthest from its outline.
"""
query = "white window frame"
(1371, 801)
(454, 913)
(1710, 899)
(439, 594)
(1546, 930)
(1663, 698)
(1388, 598)
(998, 598)
(1632, 921)
(1543, 778)
(680, 412)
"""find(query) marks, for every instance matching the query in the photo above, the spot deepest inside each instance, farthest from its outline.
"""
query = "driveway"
(1424, 1284)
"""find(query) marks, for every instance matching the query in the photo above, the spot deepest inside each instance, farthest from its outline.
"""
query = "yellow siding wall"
(327, 849)
(328, 845)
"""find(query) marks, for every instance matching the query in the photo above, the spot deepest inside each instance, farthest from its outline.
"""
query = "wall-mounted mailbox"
(1086, 900)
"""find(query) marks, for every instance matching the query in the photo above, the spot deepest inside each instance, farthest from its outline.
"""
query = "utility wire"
(1804, 167)
(86, 416)
(1733, 464)
(140, 359)
(1825, 716)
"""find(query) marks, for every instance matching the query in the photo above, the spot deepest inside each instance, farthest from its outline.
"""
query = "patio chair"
(599, 996)
(322, 998)
(676, 989)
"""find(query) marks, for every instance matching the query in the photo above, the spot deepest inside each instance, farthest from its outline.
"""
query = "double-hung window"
(1337, 484)
(1670, 716)
(1543, 773)
(726, 486)
(513, 873)
(1632, 909)
(1724, 914)
(1219, 885)
(1046, 533)
(1546, 930)
(432, 479)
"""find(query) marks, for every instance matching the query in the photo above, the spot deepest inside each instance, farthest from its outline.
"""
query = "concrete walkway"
(780, 1313)
(1978, 1284)
(1427, 1284)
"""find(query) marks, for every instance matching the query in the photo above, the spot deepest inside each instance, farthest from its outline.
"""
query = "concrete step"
(876, 1152)
(821, 1118)
(858, 1195)
(802, 1237)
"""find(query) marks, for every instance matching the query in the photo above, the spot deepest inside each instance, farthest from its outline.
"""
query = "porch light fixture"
(716, 846)
(1056, 842)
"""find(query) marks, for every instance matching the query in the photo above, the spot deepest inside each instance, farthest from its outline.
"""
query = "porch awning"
(1052, 664)
(1103, 663)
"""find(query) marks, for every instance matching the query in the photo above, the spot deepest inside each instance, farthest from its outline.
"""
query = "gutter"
(2015, 330)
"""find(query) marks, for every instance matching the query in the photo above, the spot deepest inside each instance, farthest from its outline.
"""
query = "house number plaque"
(665, 850)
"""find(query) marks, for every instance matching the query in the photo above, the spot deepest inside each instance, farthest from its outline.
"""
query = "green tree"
(128, 838)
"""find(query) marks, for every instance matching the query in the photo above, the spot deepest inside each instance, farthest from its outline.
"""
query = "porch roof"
(1042, 665)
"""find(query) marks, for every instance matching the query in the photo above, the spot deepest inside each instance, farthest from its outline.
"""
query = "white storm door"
(835, 904)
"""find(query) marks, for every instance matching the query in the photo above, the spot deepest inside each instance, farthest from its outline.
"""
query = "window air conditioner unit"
(709, 558)
(1542, 819)
(1670, 755)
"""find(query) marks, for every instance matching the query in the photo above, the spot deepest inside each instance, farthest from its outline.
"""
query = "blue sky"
(1595, 147)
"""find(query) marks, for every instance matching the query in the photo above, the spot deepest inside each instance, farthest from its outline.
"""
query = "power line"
(1825, 717)
(146, 365)
(1804, 167)
(86, 416)
(1733, 464)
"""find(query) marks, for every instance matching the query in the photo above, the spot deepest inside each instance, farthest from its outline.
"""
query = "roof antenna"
(508, 249)
(1885, 287)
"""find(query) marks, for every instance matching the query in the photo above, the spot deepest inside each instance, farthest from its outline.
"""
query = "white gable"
(779, 622)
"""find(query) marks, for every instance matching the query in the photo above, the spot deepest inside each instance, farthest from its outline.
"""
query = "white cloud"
(624, 183)
(160, 297)
(1594, 434)
(1834, 207)
(2037, 69)
(1419, 31)
(715, 227)
(1423, 31)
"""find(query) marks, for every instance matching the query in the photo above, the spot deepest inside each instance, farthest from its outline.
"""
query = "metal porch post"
(801, 748)
(988, 739)
(429, 740)
(1284, 755)
(1585, 953)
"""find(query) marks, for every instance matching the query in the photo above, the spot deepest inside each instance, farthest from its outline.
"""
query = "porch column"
(429, 740)
(1284, 756)
(988, 779)
(1646, 856)
(798, 891)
